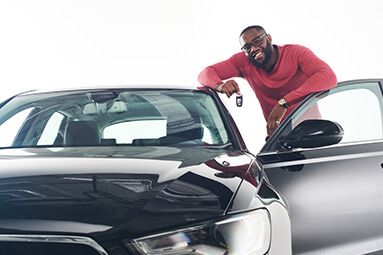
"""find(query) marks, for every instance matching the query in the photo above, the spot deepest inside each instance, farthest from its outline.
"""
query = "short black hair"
(259, 28)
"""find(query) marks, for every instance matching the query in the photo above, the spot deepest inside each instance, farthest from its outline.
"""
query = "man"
(280, 76)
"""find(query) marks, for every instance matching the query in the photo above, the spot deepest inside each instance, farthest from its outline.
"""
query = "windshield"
(112, 118)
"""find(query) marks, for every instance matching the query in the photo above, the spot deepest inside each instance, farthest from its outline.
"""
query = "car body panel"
(164, 191)
(350, 217)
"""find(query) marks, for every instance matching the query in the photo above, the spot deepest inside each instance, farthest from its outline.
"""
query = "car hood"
(109, 190)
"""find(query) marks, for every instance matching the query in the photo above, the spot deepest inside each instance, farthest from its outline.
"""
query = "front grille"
(49, 245)
(21, 248)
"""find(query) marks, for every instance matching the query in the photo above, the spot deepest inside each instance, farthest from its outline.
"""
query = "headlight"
(242, 234)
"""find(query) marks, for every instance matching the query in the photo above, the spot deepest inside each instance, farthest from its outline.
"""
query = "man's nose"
(253, 48)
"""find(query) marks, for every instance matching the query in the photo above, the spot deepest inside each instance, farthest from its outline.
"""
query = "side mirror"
(313, 133)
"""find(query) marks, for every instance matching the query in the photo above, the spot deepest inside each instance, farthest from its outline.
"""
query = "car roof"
(101, 87)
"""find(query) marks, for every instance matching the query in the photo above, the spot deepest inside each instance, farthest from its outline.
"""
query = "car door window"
(356, 107)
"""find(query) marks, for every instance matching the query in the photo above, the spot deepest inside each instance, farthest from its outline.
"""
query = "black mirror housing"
(313, 133)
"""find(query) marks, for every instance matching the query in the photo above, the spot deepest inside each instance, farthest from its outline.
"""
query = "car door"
(334, 192)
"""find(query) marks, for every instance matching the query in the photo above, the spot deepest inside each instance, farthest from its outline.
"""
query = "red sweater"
(297, 73)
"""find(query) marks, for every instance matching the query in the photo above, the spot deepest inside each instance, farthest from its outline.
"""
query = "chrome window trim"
(322, 159)
(267, 153)
(54, 239)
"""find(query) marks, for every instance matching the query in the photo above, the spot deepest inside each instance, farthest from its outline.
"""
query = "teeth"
(258, 55)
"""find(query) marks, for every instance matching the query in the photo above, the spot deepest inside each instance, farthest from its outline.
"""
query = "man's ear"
(269, 38)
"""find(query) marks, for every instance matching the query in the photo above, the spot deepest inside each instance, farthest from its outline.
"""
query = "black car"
(132, 171)
(165, 171)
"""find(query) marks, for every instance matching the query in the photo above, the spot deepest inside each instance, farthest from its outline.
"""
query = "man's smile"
(258, 55)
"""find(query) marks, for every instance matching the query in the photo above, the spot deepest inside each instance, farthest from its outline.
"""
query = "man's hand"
(228, 87)
(275, 118)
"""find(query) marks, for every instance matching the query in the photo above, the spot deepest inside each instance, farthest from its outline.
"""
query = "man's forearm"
(208, 77)
(321, 80)
(219, 72)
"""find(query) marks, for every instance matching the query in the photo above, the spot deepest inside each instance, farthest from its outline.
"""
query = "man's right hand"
(228, 87)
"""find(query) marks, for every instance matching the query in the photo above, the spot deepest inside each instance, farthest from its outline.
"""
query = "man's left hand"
(275, 118)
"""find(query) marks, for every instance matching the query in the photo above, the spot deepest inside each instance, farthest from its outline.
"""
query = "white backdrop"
(71, 43)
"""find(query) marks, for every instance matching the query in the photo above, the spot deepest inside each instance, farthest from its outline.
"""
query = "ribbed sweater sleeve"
(320, 75)
(216, 73)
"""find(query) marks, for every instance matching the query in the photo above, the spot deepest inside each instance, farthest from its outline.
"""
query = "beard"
(267, 52)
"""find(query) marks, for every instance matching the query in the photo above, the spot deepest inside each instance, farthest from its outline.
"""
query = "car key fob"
(239, 100)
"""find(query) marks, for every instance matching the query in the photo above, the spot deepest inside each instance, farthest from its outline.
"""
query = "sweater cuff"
(291, 98)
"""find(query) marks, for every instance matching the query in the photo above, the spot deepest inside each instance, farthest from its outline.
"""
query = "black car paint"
(42, 191)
